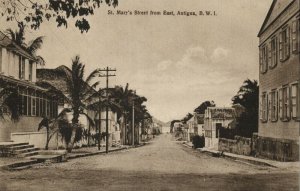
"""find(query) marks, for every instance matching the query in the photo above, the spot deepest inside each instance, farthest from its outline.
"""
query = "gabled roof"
(276, 9)
(11, 45)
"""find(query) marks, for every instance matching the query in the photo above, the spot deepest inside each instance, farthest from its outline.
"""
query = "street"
(162, 165)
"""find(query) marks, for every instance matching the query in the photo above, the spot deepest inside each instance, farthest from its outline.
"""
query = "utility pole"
(99, 131)
(133, 121)
(107, 75)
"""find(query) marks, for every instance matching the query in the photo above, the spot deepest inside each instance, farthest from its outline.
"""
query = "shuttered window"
(273, 105)
(294, 100)
(284, 103)
(295, 37)
(264, 59)
(284, 44)
(264, 107)
(273, 53)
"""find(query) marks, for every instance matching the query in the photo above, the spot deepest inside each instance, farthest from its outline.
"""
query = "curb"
(92, 154)
(20, 165)
(235, 158)
(104, 152)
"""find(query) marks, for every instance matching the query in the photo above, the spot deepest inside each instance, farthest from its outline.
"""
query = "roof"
(222, 112)
(6, 42)
(276, 9)
(55, 77)
(200, 118)
(23, 83)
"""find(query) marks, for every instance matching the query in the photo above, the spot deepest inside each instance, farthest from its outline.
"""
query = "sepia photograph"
(156, 95)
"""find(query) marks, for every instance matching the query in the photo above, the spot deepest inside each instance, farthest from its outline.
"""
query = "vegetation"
(78, 91)
(203, 106)
(56, 125)
(9, 101)
(32, 46)
(247, 96)
(36, 12)
(198, 141)
(125, 98)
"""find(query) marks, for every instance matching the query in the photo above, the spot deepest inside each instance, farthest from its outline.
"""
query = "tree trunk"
(74, 127)
(48, 139)
(70, 145)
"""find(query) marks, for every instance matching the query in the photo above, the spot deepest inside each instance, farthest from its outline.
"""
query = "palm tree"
(78, 90)
(55, 125)
(121, 96)
(79, 94)
(18, 37)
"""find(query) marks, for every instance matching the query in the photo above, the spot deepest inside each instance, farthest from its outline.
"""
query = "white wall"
(9, 65)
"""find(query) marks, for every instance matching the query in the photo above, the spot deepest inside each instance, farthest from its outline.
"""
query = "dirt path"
(162, 165)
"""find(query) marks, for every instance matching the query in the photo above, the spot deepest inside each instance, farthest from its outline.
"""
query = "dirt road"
(161, 165)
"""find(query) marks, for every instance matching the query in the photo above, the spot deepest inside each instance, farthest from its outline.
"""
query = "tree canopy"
(35, 12)
(247, 96)
(203, 106)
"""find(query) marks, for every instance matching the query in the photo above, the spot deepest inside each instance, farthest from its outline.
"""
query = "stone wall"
(277, 149)
(238, 145)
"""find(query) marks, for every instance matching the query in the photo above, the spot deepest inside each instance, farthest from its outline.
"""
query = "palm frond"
(35, 44)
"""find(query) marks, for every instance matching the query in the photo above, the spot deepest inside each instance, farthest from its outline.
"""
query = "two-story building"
(279, 67)
(18, 70)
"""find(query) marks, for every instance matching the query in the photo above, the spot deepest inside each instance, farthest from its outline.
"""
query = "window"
(33, 99)
(295, 32)
(295, 100)
(30, 71)
(264, 107)
(264, 59)
(284, 105)
(273, 53)
(273, 105)
(48, 109)
(21, 68)
(25, 110)
(38, 104)
(284, 44)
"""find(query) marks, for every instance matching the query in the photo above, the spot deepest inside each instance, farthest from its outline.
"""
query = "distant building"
(214, 119)
(18, 70)
(279, 66)
(195, 126)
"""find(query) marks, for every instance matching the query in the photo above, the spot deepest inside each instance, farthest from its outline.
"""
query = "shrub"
(198, 141)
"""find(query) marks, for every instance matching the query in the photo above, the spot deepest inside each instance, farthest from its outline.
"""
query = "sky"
(176, 62)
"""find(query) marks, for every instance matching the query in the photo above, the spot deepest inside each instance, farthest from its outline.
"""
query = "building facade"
(214, 119)
(279, 66)
(195, 126)
(18, 70)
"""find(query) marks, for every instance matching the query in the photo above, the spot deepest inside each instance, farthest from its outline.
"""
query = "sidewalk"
(250, 159)
(90, 151)
(23, 163)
